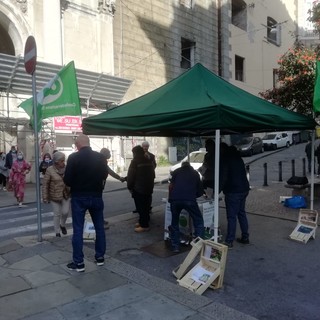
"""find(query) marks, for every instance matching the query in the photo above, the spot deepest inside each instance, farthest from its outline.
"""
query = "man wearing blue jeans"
(185, 187)
(85, 174)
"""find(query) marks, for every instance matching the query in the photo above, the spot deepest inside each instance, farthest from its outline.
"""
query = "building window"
(187, 3)
(187, 53)
(239, 14)
(239, 68)
(273, 31)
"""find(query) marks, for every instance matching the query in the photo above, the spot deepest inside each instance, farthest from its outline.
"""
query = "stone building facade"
(149, 42)
(157, 40)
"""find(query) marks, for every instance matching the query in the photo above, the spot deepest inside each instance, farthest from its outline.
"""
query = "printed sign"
(68, 123)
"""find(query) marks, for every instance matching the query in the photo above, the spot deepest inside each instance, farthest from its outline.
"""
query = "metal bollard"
(265, 183)
(304, 167)
(280, 171)
(293, 169)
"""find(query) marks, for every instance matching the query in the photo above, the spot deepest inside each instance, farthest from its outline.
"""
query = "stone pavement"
(35, 283)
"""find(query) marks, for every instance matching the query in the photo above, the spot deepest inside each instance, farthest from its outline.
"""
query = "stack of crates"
(208, 272)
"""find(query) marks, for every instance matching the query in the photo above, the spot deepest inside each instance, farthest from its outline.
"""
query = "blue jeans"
(193, 209)
(95, 206)
(235, 207)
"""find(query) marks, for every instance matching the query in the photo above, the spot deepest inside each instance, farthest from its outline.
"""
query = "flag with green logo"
(316, 94)
(60, 97)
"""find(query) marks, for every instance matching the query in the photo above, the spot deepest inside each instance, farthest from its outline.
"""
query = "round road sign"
(30, 55)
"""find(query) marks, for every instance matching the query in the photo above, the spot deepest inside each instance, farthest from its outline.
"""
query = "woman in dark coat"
(140, 181)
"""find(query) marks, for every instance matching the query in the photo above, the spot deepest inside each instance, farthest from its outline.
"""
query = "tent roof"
(198, 102)
(98, 87)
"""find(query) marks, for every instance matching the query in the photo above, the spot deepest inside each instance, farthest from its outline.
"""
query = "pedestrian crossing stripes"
(15, 221)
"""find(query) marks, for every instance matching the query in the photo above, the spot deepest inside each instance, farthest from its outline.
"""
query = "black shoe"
(135, 211)
(76, 267)
(63, 229)
(228, 244)
(100, 261)
(243, 240)
(58, 235)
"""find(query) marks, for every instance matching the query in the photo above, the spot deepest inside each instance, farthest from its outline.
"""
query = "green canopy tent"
(196, 103)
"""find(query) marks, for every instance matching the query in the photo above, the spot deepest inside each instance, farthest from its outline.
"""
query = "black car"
(249, 146)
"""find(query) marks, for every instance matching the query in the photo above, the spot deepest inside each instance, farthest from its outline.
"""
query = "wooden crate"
(181, 270)
(306, 226)
(208, 272)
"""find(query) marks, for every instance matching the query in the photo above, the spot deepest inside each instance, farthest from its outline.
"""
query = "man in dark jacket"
(85, 174)
(140, 182)
(235, 186)
(184, 189)
(11, 157)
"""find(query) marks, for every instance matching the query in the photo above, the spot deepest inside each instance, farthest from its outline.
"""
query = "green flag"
(59, 97)
(316, 94)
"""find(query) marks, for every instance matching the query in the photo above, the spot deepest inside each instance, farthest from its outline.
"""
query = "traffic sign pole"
(30, 61)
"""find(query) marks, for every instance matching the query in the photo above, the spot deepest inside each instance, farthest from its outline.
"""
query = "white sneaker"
(4, 189)
(20, 204)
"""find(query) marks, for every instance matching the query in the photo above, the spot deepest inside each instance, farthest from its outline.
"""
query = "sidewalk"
(274, 278)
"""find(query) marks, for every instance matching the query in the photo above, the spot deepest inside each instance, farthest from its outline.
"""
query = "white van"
(275, 140)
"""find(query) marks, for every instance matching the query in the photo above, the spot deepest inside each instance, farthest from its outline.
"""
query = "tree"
(296, 76)
(314, 17)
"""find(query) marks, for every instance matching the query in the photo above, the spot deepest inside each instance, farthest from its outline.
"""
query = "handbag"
(297, 180)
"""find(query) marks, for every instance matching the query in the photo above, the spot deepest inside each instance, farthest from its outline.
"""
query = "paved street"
(273, 278)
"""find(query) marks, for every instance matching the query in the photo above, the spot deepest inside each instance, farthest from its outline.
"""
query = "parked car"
(249, 146)
(196, 160)
(272, 141)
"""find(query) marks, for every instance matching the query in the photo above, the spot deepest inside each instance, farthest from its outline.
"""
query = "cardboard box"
(185, 222)
(208, 272)
(306, 226)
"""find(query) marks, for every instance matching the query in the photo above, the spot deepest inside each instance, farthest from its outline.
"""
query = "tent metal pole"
(216, 187)
(188, 148)
(312, 170)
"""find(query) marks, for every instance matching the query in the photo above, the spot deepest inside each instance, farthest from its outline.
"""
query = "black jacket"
(233, 173)
(185, 184)
(86, 173)
(141, 175)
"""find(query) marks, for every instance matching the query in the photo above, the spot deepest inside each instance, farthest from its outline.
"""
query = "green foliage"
(296, 75)
(314, 17)
(163, 162)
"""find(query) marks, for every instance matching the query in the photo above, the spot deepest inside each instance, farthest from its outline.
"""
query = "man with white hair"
(145, 145)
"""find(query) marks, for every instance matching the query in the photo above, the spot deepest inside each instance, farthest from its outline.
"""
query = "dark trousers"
(193, 209)
(142, 202)
(3, 180)
(235, 207)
